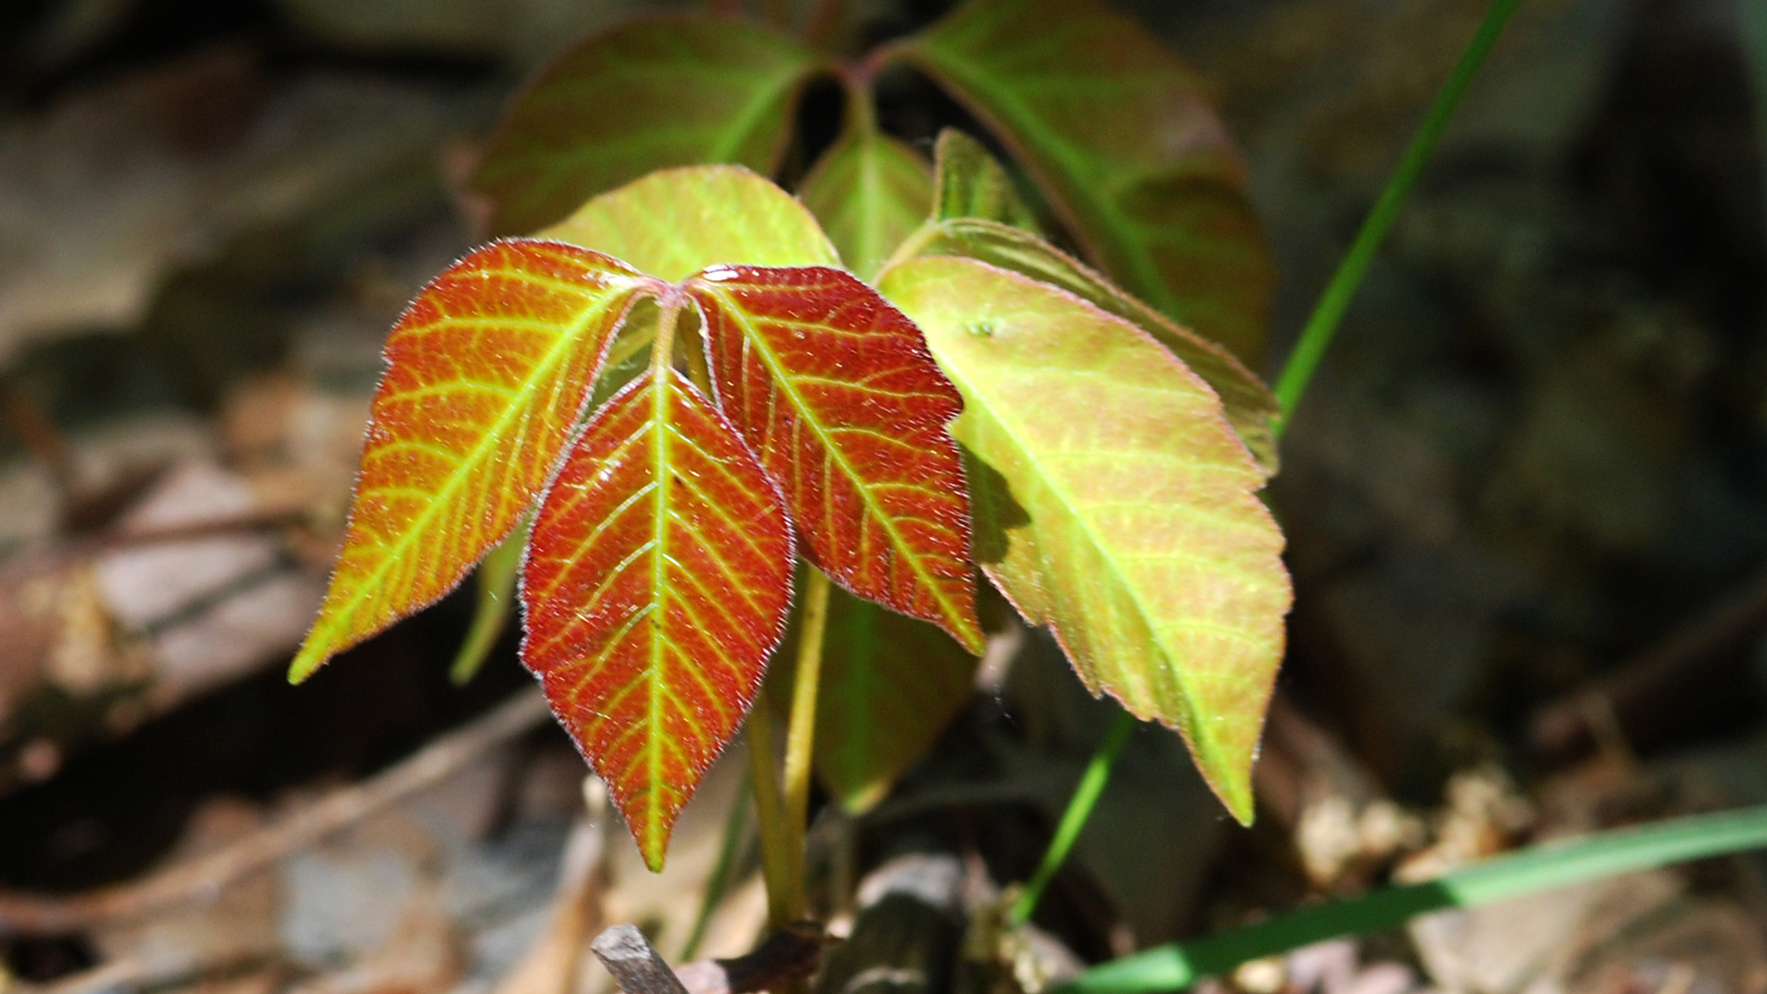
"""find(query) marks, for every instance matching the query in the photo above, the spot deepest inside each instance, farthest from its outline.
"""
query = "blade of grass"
(1544, 867)
(1320, 328)
(1302, 363)
(1092, 784)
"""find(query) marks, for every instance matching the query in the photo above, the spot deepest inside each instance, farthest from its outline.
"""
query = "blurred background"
(1526, 503)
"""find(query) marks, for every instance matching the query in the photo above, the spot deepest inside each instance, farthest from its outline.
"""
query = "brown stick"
(1620, 702)
(198, 878)
(634, 962)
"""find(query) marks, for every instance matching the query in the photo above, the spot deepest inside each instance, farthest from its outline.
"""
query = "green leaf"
(1116, 132)
(496, 590)
(1113, 503)
(870, 192)
(676, 222)
(968, 182)
(643, 96)
(488, 372)
(1250, 406)
(656, 585)
(890, 685)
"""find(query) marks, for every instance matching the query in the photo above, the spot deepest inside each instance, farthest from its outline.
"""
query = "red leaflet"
(835, 391)
(657, 583)
(486, 373)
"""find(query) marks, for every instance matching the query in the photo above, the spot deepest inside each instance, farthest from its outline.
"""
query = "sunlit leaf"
(835, 391)
(890, 685)
(1117, 133)
(968, 182)
(657, 583)
(487, 373)
(643, 96)
(1114, 504)
(870, 191)
(496, 595)
(676, 222)
(1250, 406)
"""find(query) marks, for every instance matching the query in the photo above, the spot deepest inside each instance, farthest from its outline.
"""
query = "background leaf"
(496, 595)
(870, 191)
(676, 222)
(835, 391)
(1117, 133)
(968, 182)
(890, 685)
(1115, 505)
(487, 373)
(643, 96)
(1250, 406)
(656, 585)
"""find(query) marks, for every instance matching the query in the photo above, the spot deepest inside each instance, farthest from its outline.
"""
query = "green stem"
(1342, 289)
(800, 738)
(1092, 783)
(1301, 365)
(1544, 867)
(778, 865)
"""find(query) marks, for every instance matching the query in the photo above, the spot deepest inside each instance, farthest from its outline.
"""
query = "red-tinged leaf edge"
(868, 465)
(417, 527)
(649, 690)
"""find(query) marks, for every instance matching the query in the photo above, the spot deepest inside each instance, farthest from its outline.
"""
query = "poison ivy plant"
(682, 385)
(658, 572)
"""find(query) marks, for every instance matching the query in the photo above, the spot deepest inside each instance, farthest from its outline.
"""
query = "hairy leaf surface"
(656, 585)
(1251, 407)
(968, 182)
(676, 222)
(836, 393)
(643, 96)
(1117, 133)
(487, 372)
(1115, 505)
(870, 191)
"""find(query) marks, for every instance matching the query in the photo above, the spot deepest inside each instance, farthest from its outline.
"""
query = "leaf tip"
(307, 662)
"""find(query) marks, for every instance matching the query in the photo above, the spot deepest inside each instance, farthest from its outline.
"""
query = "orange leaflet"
(836, 392)
(487, 371)
(656, 586)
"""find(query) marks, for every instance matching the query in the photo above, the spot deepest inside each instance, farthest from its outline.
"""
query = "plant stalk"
(800, 737)
(781, 869)
(1329, 312)
(1298, 371)
(1555, 864)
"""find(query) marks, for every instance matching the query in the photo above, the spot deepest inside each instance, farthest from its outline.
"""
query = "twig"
(1623, 698)
(634, 962)
(202, 878)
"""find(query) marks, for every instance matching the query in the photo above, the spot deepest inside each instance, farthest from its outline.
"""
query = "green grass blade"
(1342, 289)
(1555, 864)
(1067, 832)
